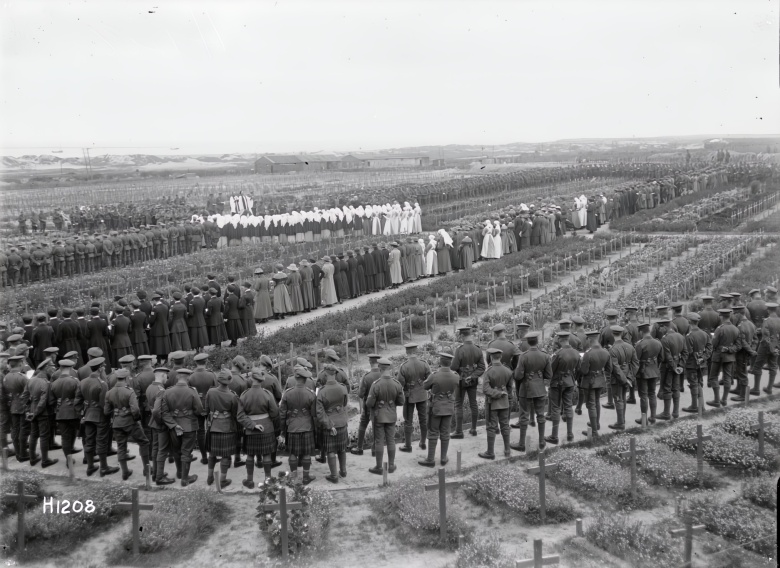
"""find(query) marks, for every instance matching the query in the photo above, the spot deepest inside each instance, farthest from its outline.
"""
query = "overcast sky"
(236, 76)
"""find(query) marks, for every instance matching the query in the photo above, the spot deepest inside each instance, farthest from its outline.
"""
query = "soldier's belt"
(187, 412)
(93, 404)
(122, 411)
(334, 410)
(258, 416)
(219, 414)
(61, 401)
(301, 411)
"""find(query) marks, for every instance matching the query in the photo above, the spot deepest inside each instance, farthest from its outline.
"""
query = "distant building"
(380, 162)
(277, 164)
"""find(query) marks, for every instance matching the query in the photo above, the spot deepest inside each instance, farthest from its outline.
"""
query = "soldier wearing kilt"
(365, 415)
(62, 397)
(238, 384)
(332, 404)
(260, 442)
(441, 406)
(160, 441)
(223, 409)
(91, 397)
(271, 384)
(383, 398)
(310, 384)
(297, 416)
(121, 403)
(202, 380)
(699, 349)
(496, 386)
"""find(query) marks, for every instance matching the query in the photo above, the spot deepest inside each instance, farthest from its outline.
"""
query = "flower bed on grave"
(752, 527)
(640, 545)
(740, 421)
(761, 490)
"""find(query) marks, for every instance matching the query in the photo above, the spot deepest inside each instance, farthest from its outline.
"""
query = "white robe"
(497, 250)
(431, 265)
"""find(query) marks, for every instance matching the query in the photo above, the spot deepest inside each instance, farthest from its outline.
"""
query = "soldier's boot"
(676, 405)
(204, 458)
(45, 460)
(458, 435)
(423, 435)
(91, 467)
(380, 454)
(237, 461)
(430, 460)
(757, 383)
(716, 401)
(161, 479)
(724, 400)
(275, 462)
(653, 404)
(569, 430)
(407, 447)
(224, 466)
(520, 447)
(321, 458)
(489, 454)
(333, 476)
(105, 469)
(740, 397)
(445, 446)
(694, 407)
(126, 473)
(357, 449)
(293, 462)
(772, 375)
(610, 399)
(507, 451)
(665, 415)
(532, 419)
(307, 477)
(34, 457)
(342, 457)
(267, 467)
(186, 478)
(737, 389)
(391, 458)
(540, 428)
(631, 396)
(553, 437)
(177, 461)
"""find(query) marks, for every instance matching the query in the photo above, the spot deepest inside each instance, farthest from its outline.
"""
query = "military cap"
(724, 311)
(184, 371)
(96, 362)
(210, 276)
(4, 354)
(616, 329)
(464, 330)
(3, 324)
(201, 357)
(145, 357)
(302, 372)
(141, 294)
(592, 332)
(331, 354)
(16, 358)
(70, 354)
(610, 313)
(45, 363)
(498, 328)
(156, 296)
(127, 359)
(257, 373)
(162, 370)
(694, 317)
(67, 363)
(212, 291)
(754, 291)
(177, 296)
(563, 333)
(266, 360)
(675, 305)
(771, 289)
(121, 373)
(117, 298)
(223, 377)
(94, 311)
(661, 308)
(22, 347)
(565, 322)
(522, 324)
(629, 309)
(663, 321)
(410, 346)
(707, 298)
(52, 350)
(578, 320)
(533, 335)
(384, 361)
(494, 351)
(645, 325)
(771, 306)
(735, 295)
(67, 312)
(726, 297)
(177, 355)
(738, 308)
(95, 352)
(303, 362)
(14, 337)
(374, 356)
(258, 271)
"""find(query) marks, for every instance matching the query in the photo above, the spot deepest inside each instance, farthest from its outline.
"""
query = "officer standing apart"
(624, 367)
(595, 367)
(497, 387)
(383, 398)
(469, 363)
(565, 363)
(412, 375)
(441, 386)
(533, 372)
(699, 349)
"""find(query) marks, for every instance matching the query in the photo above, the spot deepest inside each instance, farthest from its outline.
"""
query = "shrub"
(661, 465)
(179, 521)
(484, 551)
(512, 487)
(594, 478)
(737, 520)
(306, 527)
(418, 513)
(740, 421)
(723, 449)
(33, 485)
(633, 541)
(761, 490)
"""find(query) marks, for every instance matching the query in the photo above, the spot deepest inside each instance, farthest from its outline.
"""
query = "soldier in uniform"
(332, 403)
(679, 320)
(238, 384)
(744, 355)
(757, 308)
(595, 367)
(533, 372)
(180, 407)
(202, 380)
(624, 367)
(141, 382)
(607, 338)
(385, 395)
(497, 388)
(331, 358)
(14, 398)
(521, 330)
(92, 397)
(768, 348)
(297, 415)
(62, 398)
(259, 443)
(412, 374)
(725, 344)
(674, 357)
(365, 414)
(121, 402)
(564, 365)
(699, 349)
(469, 363)
(709, 317)
(509, 351)
(38, 412)
(662, 313)
(160, 440)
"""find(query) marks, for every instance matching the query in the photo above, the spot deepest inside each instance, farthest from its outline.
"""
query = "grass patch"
(661, 465)
(739, 421)
(484, 551)
(738, 520)
(596, 479)
(724, 449)
(51, 535)
(512, 487)
(33, 485)
(761, 491)
(637, 544)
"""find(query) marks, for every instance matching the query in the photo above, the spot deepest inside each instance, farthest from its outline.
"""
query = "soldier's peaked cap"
(592, 332)
(694, 317)
(201, 357)
(610, 313)
(96, 362)
(445, 355)
(498, 328)
(724, 311)
(494, 351)
(522, 324)
(771, 306)
(410, 346)
(384, 361)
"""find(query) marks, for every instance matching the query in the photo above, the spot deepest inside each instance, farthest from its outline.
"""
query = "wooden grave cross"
(468, 296)
(760, 427)
(541, 470)
(494, 287)
(688, 532)
(316, 354)
(21, 502)
(401, 321)
(441, 487)
(283, 506)
(631, 454)
(699, 440)
(135, 508)
(432, 311)
(376, 328)
(538, 560)
(346, 343)
(503, 285)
